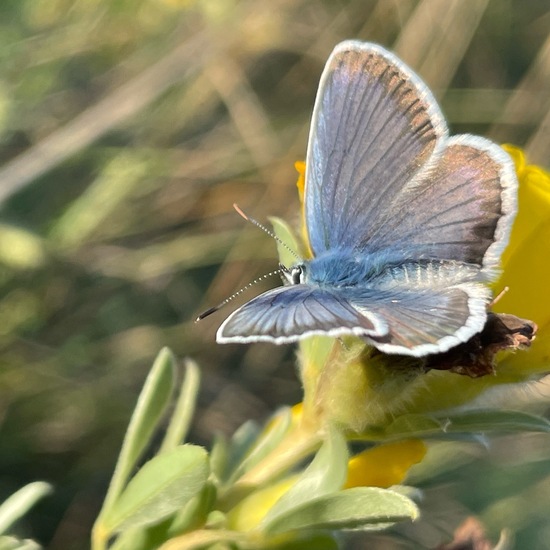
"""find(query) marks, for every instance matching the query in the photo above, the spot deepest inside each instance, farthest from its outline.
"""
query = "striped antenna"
(246, 287)
(282, 269)
(266, 230)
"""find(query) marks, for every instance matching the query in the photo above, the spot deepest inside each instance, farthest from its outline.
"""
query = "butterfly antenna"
(266, 230)
(227, 300)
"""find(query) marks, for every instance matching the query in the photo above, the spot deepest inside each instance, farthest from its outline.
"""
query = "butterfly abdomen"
(343, 268)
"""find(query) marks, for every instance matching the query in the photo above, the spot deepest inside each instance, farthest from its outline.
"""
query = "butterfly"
(406, 224)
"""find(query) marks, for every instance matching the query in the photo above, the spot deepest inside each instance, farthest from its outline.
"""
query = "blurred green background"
(129, 127)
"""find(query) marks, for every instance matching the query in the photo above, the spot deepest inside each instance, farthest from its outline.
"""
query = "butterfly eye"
(297, 274)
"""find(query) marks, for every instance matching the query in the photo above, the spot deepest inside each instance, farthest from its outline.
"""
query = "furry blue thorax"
(344, 268)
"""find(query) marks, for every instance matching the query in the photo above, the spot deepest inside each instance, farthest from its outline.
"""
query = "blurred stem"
(298, 444)
(99, 537)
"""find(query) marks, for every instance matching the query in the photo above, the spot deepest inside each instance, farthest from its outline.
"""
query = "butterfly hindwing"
(462, 210)
(427, 322)
(428, 307)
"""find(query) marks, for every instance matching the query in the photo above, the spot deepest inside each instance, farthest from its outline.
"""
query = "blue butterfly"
(406, 224)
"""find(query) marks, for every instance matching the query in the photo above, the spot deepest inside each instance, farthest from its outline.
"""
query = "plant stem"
(99, 537)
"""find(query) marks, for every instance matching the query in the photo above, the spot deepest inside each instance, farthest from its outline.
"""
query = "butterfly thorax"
(344, 268)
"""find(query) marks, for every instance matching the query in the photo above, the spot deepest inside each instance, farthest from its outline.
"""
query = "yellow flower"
(384, 465)
(249, 513)
(526, 267)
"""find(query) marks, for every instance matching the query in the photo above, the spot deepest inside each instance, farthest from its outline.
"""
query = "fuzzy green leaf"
(18, 504)
(195, 512)
(11, 543)
(495, 420)
(239, 445)
(467, 422)
(326, 474)
(362, 508)
(150, 407)
(184, 409)
(414, 425)
(204, 539)
(309, 541)
(132, 539)
(219, 456)
(162, 486)
(191, 516)
(266, 442)
(285, 233)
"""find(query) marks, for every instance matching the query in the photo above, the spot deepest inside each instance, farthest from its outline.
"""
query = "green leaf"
(191, 516)
(203, 539)
(326, 474)
(134, 539)
(18, 504)
(285, 233)
(11, 543)
(364, 508)
(195, 513)
(162, 486)
(307, 541)
(267, 441)
(443, 458)
(495, 420)
(216, 520)
(414, 425)
(219, 456)
(240, 444)
(412, 493)
(185, 408)
(151, 405)
(467, 422)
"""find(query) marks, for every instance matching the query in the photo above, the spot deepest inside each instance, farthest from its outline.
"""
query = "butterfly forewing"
(289, 313)
(375, 126)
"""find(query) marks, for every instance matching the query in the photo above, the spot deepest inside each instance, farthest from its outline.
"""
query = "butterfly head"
(295, 275)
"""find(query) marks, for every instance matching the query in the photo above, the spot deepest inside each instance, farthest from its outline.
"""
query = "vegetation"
(129, 128)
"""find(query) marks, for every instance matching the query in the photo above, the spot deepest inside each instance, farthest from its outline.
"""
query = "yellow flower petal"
(297, 411)
(384, 465)
(248, 514)
(534, 202)
(526, 264)
(300, 166)
(301, 183)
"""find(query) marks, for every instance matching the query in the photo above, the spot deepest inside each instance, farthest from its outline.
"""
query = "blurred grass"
(128, 129)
